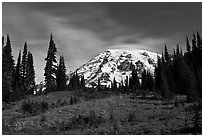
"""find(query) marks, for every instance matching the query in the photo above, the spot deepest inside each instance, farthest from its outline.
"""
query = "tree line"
(180, 73)
(17, 80)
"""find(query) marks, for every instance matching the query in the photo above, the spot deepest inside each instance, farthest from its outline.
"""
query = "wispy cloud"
(82, 30)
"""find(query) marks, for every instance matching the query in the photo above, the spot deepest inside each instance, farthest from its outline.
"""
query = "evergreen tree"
(144, 78)
(74, 82)
(199, 41)
(164, 87)
(134, 81)
(30, 74)
(150, 82)
(158, 74)
(2, 42)
(61, 75)
(7, 60)
(7, 69)
(99, 85)
(24, 70)
(188, 46)
(194, 45)
(187, 55)
(17, 85)
(166, 55)
(82, 82)
(126, 84)
(114, 85)
(50, 68)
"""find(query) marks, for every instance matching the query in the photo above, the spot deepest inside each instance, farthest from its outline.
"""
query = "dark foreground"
(111, 114)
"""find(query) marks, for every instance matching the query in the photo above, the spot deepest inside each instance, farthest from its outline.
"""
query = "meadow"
(78, 113)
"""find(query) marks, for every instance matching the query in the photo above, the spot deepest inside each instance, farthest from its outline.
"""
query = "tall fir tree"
(114, 85)
(188, 46)
(157, 74)
(24, 70)
(17, 82)
(144, 79)
(134, 81)
(7, 69)
(194, 45)
(199, 41)
(82, 82)
(2, 42)
(166, 55)
(7, 60)
(61, 75)
(30, 74)
(187, 55)
(51, 67)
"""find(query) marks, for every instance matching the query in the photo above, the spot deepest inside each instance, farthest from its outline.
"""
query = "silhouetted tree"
(51, 67)
(144, 79)
(134, 81)
(17, 85)
(164, 87)
(61, 75)
(7, 69)
(166, 55)
(114, 85)
(24, 73)
(30, 74)
(74, 82)
(82, 82)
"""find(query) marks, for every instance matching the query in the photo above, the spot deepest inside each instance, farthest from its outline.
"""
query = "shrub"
(81, 121)
(34, 108)
(73, 100)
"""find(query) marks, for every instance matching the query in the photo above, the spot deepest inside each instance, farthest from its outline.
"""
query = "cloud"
(82, 30)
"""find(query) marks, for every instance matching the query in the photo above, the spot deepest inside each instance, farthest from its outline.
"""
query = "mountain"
(116, 63)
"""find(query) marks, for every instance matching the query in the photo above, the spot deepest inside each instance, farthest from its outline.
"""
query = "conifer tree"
(7, 60)
(194, 45)
(30, 74)
(158, 74)
(61, 75)
(114, 85)
(51, 67)
(166, 55)
(2, 42)
(17, 85)
(126, 84)
(144, 78)
(199, 41)
(7, 69)
(74, 82)
(24, 70)
(99, 85)
(150, 82)
(164, 87)
(82, 82)
(188, 46)
(134, 80)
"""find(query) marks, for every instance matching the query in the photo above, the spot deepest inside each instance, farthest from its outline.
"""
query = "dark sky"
(82, 30)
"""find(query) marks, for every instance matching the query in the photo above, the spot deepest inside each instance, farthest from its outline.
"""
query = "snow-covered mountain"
(116, 63)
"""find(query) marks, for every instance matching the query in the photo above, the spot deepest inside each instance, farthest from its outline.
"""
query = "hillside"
(107, 114)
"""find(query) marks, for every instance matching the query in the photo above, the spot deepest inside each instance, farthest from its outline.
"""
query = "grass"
(103, 114)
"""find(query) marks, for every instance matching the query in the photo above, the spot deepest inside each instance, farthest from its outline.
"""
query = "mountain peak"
(117, 63)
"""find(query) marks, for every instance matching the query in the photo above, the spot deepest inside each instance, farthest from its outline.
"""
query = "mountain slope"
(116, 63)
